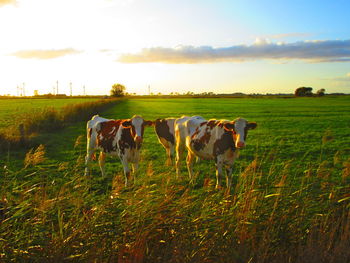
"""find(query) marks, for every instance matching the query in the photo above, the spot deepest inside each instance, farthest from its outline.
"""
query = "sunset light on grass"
(173, 46)
(175, 131)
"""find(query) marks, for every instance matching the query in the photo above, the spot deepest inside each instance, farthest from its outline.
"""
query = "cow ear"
(251, 125)
(229, 126)
(149, 123)
(126, 123)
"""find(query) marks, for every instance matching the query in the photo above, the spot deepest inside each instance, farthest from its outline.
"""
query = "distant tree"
(320, 92)
(118, 90)
(303, 92)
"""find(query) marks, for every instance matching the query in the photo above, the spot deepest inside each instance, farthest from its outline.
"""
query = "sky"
(222, 46)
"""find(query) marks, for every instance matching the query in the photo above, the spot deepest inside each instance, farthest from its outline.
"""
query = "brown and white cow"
(216, 140)
(180, 136)
(165, 131)
(121, 138)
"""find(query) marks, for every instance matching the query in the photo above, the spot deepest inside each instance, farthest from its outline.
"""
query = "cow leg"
(219, 165)
(190, 158)
(126, 170)
(101, 162)
(135, 167)
(168, 154)
(171, 155)
(179, 154)
(88, 159)
(228, 176)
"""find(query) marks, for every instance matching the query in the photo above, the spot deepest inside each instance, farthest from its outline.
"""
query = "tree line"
(119, 90)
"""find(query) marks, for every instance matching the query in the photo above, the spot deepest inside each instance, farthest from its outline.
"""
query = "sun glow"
(172, 47)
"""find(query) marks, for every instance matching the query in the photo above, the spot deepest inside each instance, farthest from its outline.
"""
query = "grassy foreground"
(290, 202)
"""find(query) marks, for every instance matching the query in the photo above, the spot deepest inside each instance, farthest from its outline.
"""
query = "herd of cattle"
(218, 140)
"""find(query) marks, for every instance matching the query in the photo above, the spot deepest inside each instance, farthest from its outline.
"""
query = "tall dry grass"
(275, 213)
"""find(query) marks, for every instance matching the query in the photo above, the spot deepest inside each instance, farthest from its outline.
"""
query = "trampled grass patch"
(289, 202)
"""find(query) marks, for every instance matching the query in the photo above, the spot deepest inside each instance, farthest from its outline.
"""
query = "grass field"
(290, 201)
(11, 109)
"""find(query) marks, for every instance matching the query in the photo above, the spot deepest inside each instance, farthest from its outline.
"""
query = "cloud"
(286, 35)
(311, 51)
(7, 2)
(342, 79)
(45, 54)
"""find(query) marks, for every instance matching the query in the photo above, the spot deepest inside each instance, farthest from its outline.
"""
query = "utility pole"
(24, 93)
(57, 87)
(149, 89)
(71, 89)
(84, 90)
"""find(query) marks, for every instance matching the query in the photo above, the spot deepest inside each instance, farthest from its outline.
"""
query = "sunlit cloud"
(339, 81)
(287, 35)
(45, 54)
(342, 79)
(311, 51)
(7, 2)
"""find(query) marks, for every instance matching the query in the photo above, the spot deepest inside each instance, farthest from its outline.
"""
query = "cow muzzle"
(138, 139)
(240, 145)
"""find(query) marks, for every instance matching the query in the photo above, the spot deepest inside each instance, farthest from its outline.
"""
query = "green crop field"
(11, 109)
(289, 202)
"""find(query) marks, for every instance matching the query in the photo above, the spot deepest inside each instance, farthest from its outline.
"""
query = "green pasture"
(289, 202)
(12, 109)
(303, 130)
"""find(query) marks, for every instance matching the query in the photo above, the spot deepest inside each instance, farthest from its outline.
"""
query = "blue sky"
(174, 46)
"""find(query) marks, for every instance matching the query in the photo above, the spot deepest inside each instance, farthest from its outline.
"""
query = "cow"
(164, 129)
(121, 138)
(216, 140)
(181, 134)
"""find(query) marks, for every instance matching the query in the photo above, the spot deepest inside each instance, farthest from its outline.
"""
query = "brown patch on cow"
(212, 123)
(126, 140)
(106, 135)
(163, 130)
(199, 144)
(225, 143)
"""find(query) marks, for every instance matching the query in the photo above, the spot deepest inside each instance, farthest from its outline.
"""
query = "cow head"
(136, 125)
(239, 128)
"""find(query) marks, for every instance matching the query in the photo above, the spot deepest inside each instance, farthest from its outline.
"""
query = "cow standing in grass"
(181, 133)
(115, 137)
(216, 140)
(171, 134)
(165, 131)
